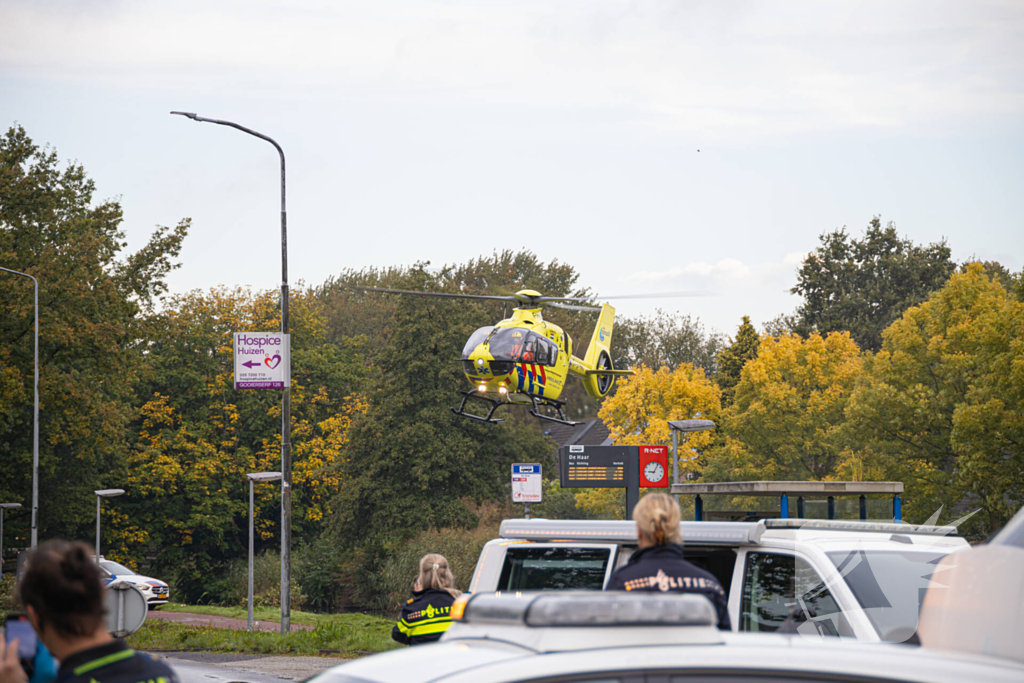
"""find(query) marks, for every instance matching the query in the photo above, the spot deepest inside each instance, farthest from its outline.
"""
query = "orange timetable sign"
(596, 473)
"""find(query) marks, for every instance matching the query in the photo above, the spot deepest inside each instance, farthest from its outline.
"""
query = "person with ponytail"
(63, 595)
(427, 614)
(658, 564)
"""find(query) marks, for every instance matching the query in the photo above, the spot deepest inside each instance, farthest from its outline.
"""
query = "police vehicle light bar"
(588, 608)
(624, 531)
(845, 525)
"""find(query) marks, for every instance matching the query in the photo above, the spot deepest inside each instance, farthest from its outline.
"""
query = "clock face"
(654, 472)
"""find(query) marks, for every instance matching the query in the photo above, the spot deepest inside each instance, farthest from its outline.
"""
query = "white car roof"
(501, 638)
(817, 531)
(492, 661)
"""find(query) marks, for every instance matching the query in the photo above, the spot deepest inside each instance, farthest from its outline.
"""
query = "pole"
(286, 428)
(527, 510)
(632, 480)
(251, 525)
(1, 543)
(286, 403)
(35, 413)
(675, 460)
(98, 499)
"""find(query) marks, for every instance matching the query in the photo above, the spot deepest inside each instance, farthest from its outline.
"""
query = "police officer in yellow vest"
(427, 614)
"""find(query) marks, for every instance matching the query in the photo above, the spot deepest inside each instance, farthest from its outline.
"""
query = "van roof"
(701, 533)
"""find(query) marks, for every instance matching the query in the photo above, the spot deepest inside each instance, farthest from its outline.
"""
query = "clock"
(654, 472)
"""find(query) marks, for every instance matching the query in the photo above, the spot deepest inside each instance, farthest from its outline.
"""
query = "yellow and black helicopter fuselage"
(525, 360)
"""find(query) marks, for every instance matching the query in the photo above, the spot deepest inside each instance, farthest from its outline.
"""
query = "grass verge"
(351, 634)
(258, 613)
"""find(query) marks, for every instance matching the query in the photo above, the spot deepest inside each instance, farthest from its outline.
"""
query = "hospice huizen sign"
(262, 360)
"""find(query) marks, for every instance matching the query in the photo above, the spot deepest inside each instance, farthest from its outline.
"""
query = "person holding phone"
(11, 670)
(63, 597)
(23, 646)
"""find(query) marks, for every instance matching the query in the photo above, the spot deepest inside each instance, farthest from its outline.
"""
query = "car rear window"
(564, 568)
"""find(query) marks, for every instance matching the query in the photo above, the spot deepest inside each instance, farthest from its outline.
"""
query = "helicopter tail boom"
(598, 382)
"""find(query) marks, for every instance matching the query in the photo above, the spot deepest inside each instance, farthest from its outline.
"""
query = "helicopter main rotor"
(530, 298)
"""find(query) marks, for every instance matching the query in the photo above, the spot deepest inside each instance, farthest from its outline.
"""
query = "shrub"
(319, 575)
(266, 582)
(8, 594)
(461, 547)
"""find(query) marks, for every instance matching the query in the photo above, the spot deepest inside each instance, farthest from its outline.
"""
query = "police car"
(155, 591)
(863, 580)
(622, 637)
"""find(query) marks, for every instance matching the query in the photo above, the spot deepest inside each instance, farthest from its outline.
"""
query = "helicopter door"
(545, 351)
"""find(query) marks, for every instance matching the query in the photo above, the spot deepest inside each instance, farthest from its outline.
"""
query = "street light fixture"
(253, 478)
(286, 410)
(684, 426)
(35, 414)
(4, 506)
(100, 495)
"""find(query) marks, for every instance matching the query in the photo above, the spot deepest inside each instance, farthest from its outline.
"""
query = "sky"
(655, 146)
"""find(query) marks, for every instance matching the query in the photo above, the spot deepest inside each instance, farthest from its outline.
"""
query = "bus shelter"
(784, 490)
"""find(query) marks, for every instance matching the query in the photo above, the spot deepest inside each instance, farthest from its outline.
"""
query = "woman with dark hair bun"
(658, 564)
(63, 595)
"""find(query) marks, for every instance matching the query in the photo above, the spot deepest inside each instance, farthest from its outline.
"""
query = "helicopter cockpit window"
(520, 346)
(475, 340)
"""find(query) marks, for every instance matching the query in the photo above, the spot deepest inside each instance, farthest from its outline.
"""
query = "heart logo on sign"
(273, 362)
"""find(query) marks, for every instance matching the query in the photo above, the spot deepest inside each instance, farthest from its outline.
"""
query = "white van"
(864, 580)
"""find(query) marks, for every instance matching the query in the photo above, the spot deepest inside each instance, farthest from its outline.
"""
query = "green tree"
(733, 357)
(863, 285)
(668, 340)
(942, 406)
(96, 305)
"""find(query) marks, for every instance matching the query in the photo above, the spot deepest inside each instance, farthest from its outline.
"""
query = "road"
(211, 667)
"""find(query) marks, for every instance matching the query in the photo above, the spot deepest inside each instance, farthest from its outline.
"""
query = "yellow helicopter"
(525, 360)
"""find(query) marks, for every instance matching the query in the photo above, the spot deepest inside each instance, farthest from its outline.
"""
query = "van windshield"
(890, 586)
(563, 568)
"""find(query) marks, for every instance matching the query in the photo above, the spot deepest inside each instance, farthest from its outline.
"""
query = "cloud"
(715, 69)
(725, 274)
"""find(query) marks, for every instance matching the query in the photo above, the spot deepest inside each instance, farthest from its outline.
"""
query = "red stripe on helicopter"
(543, 375)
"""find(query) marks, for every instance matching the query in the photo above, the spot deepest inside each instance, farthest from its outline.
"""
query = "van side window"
(563, 568)
(776, 586)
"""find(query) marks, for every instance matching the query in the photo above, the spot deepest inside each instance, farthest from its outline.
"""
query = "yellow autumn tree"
(787, 419)
(638, 414)
(197, 437)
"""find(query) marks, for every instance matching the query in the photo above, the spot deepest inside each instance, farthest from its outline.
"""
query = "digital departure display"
(596, 466)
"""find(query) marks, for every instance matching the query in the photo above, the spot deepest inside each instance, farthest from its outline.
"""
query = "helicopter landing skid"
(540, 401)
(466, 395)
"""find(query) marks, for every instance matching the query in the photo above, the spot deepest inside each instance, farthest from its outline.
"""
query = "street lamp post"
(4, 506)
(286, 409)
(253, 478)
(100, 495)
(684, 426)
(35, 415)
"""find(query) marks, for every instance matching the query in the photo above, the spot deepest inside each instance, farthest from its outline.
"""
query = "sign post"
(262, 360)
(527, 485)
